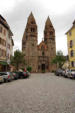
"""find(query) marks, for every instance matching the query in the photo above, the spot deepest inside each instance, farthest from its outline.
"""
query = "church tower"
(49, 32)
(29, 43)
(49, 39)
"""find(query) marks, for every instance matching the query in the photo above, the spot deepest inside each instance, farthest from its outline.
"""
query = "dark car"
(20, 74)
(28, 73)
(59, 72)
(23, 74)
(15, 75)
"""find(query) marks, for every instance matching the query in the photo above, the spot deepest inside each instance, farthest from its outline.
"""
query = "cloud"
(6, 5)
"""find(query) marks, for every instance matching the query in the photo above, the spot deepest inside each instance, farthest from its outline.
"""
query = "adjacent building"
(6, 43)
(71, 46)
(39, 57)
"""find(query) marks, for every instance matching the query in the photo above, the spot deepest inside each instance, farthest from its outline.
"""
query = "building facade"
(6, 43)
(39, 57)
(71, 46)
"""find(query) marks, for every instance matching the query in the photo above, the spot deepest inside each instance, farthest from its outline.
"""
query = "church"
(39, 56)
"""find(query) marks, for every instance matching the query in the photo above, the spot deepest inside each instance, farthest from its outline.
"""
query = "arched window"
(42, 47)
(32, 29)
(32, 22)
(51, 33)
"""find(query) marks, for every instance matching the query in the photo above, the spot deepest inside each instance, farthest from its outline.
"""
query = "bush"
(29, 68)
(53, 71)
(43, 71)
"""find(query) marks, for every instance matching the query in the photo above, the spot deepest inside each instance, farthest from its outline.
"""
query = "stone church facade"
(39, 57)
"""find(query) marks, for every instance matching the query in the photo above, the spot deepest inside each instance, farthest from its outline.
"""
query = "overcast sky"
(61, 13)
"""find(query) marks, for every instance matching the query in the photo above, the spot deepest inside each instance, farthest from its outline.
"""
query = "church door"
(43, 67)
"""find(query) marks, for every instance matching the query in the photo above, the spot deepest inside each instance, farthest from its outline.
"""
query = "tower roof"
(31, 18)
(48, 22)
(5, 24)
(42, 44)
(31, 14)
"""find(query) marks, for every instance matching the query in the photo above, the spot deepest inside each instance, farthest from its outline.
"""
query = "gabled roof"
(5, 24)
(73, 26)
(42, 44)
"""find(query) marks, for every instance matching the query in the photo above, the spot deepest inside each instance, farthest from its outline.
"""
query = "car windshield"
(2, 73)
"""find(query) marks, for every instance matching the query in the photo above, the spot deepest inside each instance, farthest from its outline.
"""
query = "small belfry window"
(32, 22)
(32, 30)
(51, 33)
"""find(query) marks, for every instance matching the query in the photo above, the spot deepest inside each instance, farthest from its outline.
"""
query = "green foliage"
(29, 68)
(18, 59)
(22, 68)
(43, 71)
(59, 59)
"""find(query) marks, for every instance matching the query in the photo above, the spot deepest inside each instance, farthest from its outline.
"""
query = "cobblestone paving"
(41, 93)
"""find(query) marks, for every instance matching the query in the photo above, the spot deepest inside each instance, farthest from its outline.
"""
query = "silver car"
(6, 76)
(1, 79)
(72, 74)
(67, 72)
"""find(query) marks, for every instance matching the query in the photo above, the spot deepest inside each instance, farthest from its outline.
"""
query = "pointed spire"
(31, 18)
(48, 21)
(31, 14)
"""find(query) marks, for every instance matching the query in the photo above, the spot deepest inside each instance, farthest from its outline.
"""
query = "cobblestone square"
(41, 93)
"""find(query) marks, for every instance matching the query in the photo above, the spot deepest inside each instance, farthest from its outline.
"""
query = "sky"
(61, 13)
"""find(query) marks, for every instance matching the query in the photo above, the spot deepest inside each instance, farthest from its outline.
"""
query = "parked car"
(63, 72)
(15, 75)
(59, 72)
(67, 72)
(72, 74)
(7, 76)
(23, 74)
(1, 79)
(28, 73)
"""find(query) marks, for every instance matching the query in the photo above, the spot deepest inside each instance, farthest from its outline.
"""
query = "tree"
(59, 59)
(29, 68)
(18, 59)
